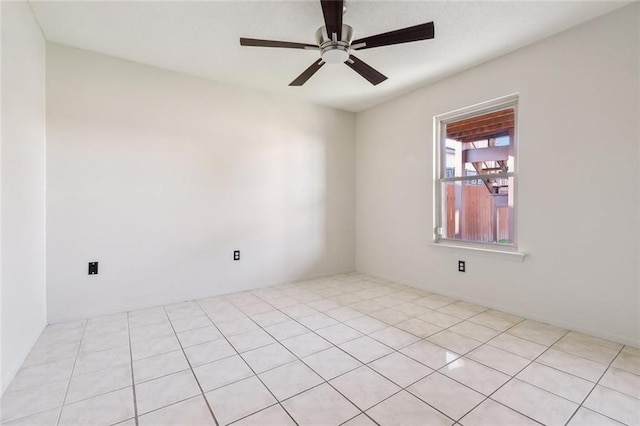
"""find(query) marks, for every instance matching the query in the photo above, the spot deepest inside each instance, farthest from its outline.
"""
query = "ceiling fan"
(335, 43)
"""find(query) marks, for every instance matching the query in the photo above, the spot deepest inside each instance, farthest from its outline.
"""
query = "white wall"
(160, 176)
(23, 187)
(578, 182)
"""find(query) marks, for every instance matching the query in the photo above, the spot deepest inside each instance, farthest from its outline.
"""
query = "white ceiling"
(201, 39)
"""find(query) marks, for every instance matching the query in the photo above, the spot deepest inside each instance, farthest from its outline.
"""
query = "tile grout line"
(324, 381)
(387, 326)
(594, 387)
(84, 329)
(133, 381)
(367, 335)
(193, 374)
(510, 378)
(352, 290)
(243, 360)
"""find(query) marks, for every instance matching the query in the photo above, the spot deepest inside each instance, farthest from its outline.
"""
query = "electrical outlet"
(461, 266)
(93, 268)
(236, 255)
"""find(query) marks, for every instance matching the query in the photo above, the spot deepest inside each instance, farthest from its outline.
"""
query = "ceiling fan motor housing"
(338, 51)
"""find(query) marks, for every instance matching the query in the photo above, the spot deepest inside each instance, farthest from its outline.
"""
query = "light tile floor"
(349, 349)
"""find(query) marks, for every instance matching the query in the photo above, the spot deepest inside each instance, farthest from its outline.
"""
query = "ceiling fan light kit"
(334, 51)
(335, 42)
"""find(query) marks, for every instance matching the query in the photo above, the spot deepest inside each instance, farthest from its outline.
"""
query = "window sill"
(514, 256)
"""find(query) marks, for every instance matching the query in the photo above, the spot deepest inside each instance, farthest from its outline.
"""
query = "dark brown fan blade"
(273, 43)
(306, 74)
(332, 11)
(365, 70)
(405, 35)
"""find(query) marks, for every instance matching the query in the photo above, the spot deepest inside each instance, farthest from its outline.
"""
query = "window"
(475, 174)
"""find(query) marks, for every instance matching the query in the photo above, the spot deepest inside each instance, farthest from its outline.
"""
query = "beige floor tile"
(105, 409)
(622, 381)
(154, 346)
(390, 316)
(51, 353)
(165, 390)
(475, 375)
(365, 349)
(198, 336)
(149, 331)
(290, 379)
(344, 313)
(367, 306)
(24, 403)
(557, 382)
(593, 348)
(222, 372)
(250, 340)
(394, 337)
(192, 412)
(434, 301)
(321, 405)
(159, 365)
(306, 344)
(498, 359)
(191, 323)
(446, 395)
(104, 341)
(400, 369)
(39, 375)
(45, 418)
(628, 361)
(536, 403)
(273, 415)
(324, 305)
(366, 324)
(94, 361)
(411, 309)
(339, 333)
(440, 319)
(573, 364)
(208, 352)
(239, 400)
(331, 362)
(270, 318)
(287, 329)
(256, 308)
(518, 346)
(361, 420)
(431, 355)
(405, 409)
(147, 317)
(460, 310)
(298, 310)
(316, 321)
(419, 328)
(98, 382)
(454, 341)
(497, 320)
(538, 332)
(615, 405)
(364, 387)
(268, 357)
(490, 413)
(474, 331)
(237, 326)
(586, 417)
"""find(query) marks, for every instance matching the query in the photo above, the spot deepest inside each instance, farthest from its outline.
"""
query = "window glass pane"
(480, 145)
(478, 210)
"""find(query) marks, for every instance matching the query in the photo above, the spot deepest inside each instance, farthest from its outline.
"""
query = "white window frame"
(439, 175)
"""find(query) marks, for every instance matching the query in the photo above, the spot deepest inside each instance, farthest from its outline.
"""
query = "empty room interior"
(320, 213)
